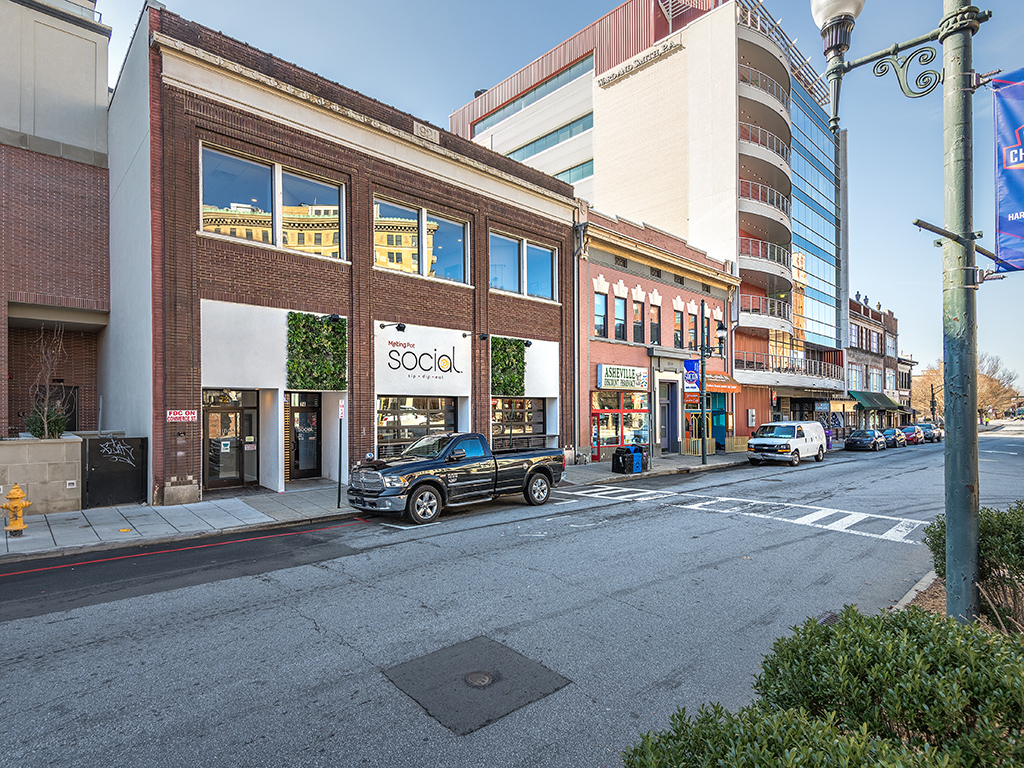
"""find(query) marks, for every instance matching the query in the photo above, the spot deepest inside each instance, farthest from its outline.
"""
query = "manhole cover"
(479, 679)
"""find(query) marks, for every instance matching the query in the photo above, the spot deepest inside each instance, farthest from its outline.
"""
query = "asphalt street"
(502, 635)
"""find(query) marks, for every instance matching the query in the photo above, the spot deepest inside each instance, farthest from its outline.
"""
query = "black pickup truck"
(451, 469)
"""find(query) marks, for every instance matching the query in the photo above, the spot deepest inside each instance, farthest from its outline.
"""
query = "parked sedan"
(932, 432)
(915, 435)
(865, 440)
(894, 438)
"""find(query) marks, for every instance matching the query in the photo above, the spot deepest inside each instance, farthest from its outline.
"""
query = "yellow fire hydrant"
(15, 505)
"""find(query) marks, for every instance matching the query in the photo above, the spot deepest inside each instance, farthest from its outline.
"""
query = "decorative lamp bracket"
(923, 84)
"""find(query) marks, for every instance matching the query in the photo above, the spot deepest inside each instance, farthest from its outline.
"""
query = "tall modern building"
(701, 118)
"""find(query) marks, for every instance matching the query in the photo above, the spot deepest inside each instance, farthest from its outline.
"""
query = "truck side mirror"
(457, 455)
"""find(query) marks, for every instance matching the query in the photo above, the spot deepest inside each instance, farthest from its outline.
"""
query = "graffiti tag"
(118, 451)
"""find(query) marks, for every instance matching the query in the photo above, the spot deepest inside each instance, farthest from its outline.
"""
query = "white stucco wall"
(53, 82)
(126, 345)
(243, 346)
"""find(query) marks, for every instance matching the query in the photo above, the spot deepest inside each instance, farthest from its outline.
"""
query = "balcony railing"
(762, 305)
(762, 193)
(798, 366)
(759, 249)
(758, 79)
(757, 135)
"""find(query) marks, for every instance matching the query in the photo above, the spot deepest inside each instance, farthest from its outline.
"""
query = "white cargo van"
(787, 441)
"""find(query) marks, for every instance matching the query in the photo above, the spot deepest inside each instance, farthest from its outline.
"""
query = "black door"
(225, 443)
(305, 443)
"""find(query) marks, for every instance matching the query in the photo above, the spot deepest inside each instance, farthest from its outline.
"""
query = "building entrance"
(303, 433)
(230, 437)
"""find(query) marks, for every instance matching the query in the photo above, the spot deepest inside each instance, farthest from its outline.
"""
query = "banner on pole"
(691, 375)
(1008, 107)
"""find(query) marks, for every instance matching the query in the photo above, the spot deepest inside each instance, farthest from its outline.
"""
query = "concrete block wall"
(42, 469)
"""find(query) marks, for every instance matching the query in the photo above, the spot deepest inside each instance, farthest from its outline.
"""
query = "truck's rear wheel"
(538, 488)
(424, 505)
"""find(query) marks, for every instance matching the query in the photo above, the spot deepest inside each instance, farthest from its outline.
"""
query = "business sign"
(691, 376)
(1008, 105)
(422, 361)
(182, 416)
(621, 377)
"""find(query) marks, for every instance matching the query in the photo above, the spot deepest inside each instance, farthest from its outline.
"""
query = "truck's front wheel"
(538, 488)
(424, 505)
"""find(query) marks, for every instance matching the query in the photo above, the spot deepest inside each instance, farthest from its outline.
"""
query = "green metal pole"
(703, 387)
(959, 316)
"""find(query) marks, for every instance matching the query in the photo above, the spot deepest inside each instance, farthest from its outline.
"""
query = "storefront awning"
(721, 382)
(874, 401)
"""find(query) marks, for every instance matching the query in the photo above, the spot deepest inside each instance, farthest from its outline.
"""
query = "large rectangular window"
(655, 325)
(519, 264)
(403, 420)
(238, 201)
(620, 318)
(554, 138)
(580, 68)
(517, 423)
(440, 253)
(601, 315)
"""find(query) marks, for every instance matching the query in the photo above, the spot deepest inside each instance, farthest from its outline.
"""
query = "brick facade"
(190, 268)
(53, 257)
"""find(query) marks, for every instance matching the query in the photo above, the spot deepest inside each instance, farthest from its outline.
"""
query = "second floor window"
(677, 331)
(601, 315)
(519, 266)
(638, 322)
(620, 319)
(655, 325)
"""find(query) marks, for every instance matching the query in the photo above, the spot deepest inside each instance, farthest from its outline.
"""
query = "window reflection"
(237, 197)
(540, 277)
(446, 249)
(311, 214)
(504, 263)
(396, 237)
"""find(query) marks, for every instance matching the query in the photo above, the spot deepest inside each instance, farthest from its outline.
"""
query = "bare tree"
(51, 403)
(997, 390)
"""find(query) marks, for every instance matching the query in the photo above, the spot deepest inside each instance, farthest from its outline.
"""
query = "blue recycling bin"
(629, 460)
(828, 439)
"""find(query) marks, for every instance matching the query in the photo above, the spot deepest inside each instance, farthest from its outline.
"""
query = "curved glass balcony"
(763, 305)
(797, 366)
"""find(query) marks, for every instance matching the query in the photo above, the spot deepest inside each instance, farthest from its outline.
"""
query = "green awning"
(874, 401)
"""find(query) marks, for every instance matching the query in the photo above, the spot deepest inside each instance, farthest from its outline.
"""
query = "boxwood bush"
(1000, 562)
(898, 689)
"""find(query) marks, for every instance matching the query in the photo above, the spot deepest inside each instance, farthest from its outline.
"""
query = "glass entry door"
(304, 428)
(229, 438)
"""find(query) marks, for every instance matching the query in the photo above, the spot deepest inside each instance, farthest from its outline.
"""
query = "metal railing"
(758, 79)
(755, 134)
(763, 305)
(762, 193)
(691, 447)
(761, 249)
(761, 361)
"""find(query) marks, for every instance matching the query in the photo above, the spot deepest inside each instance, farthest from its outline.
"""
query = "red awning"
(722, 382)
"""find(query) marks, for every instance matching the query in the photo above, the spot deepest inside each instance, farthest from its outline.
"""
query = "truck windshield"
(428, 447)
(773, 430)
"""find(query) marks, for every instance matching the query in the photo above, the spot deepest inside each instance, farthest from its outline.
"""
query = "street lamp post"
(706, 351)
(835, 19)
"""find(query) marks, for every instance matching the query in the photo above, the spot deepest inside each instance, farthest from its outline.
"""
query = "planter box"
(48, 471)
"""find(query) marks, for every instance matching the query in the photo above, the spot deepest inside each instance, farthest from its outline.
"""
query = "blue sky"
(427, 58)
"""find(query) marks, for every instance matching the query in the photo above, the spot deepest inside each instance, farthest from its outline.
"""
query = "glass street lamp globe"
(824, 11)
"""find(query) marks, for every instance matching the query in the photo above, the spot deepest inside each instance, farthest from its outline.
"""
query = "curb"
(661, 473)
(926, 581)
(107, 546)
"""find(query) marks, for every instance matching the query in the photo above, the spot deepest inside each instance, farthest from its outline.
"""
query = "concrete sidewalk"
(103, 528)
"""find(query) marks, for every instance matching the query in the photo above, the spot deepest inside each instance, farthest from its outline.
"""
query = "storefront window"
(517, 422)
(619, 418)
(403, 420)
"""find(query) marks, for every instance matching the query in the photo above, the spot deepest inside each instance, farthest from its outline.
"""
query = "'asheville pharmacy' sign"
(621, 377)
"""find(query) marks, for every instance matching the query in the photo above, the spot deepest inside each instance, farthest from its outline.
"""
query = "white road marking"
(1008, 453)
(898, 532)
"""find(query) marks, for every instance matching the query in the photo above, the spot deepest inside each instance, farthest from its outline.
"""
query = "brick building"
(53, 204)
(259, 211)
(872, 370)
(641, 293)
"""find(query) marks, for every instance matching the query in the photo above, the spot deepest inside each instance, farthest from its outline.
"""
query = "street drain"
(828, 618)
(479, 679)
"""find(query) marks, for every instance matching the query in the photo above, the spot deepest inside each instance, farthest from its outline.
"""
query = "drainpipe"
(580, 231)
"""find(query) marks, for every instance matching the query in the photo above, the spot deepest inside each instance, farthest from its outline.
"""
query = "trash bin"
(629, 460)
(828, 439)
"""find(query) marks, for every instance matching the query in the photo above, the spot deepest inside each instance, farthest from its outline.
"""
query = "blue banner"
(691, 376)
(1008, 106)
